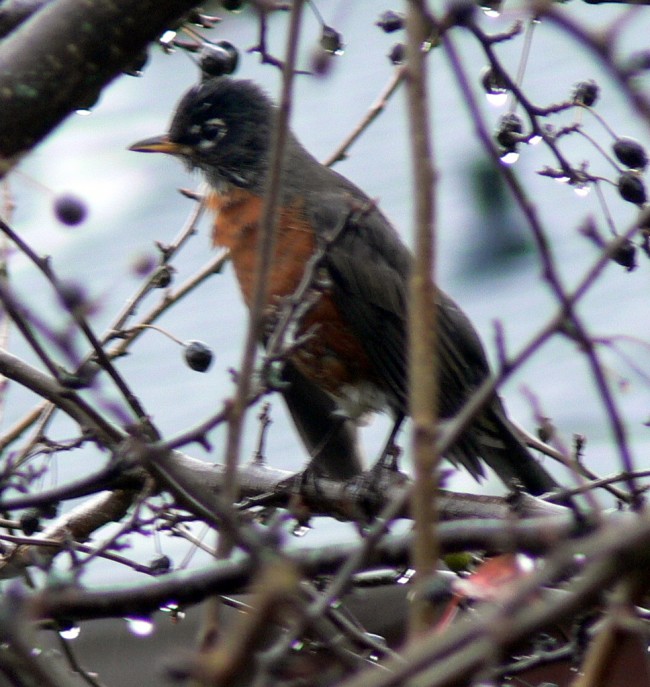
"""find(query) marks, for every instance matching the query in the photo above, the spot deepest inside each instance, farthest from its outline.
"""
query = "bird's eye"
(213, 129)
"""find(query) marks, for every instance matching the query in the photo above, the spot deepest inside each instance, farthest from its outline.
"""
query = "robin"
(355, 360)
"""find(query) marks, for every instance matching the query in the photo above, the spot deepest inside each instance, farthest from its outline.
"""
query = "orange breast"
(332, 357)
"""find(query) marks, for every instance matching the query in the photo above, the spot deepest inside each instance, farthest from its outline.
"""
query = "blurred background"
(486, 259)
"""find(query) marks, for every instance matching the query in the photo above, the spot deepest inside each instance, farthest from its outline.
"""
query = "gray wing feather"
(369, 268)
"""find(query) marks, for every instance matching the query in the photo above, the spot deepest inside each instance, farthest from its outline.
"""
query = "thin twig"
(267, 225)
(75, 665)
(46, 269)
(373, 112)
(551, 274)
(188, 230)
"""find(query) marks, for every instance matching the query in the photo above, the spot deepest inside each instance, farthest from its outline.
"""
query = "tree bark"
(59, 59)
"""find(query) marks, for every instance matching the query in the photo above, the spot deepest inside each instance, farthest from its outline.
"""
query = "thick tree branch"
(60, 58)
(77, 525)
(229, 577)
(65, 399)
(198, 486)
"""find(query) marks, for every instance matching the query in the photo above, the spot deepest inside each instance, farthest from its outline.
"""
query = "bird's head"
(223, 127)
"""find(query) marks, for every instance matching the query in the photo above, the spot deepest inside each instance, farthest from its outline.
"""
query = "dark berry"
(87, 372)
(397, 53)
(390, 21)
(30, 522)
(461, 12)
(331, 41)
(233, 5)
(632, 188)
(162, 278)
(630, 153)
(70, 380)
(217, 59)
(231, 50)
(198, 356)
(72, 294)
(69, 209)
(82, 378)
(625, 255)
(585, 93)
(510, 125)
(49, 510)
(491, 7)
(160, 564)
(493, 81)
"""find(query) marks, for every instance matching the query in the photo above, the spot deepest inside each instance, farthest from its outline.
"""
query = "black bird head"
(223, 127)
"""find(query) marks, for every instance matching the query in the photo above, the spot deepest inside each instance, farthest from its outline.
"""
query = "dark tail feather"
(493, 439)
(510, 458)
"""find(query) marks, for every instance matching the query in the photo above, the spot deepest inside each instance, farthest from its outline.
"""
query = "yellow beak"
(160, 144)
